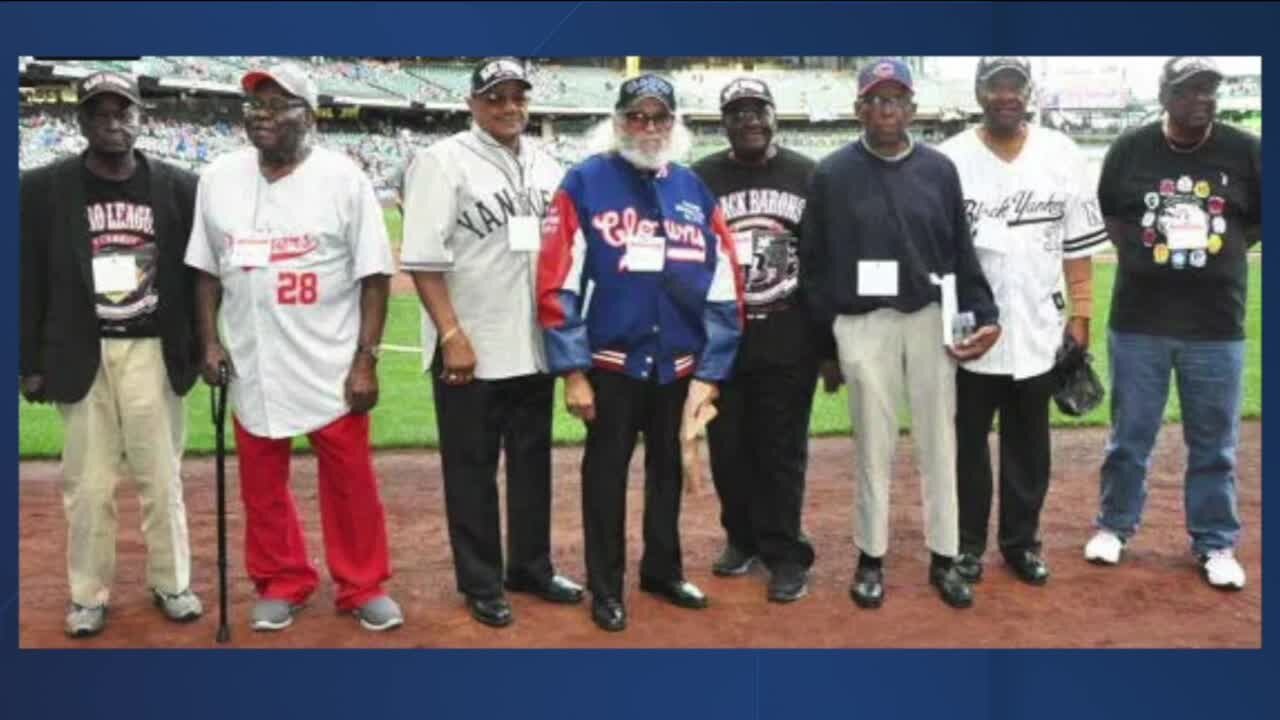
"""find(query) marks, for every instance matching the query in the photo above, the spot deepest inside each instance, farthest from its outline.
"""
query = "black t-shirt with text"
(762, 206)
(1181, 223)
(122, 239)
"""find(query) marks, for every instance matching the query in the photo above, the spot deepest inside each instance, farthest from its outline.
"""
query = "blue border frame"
(743, 684)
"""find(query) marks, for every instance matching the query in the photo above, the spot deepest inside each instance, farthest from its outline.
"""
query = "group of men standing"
(655, 291)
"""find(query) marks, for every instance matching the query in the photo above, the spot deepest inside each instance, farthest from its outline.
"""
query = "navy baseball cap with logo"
(744, 88)
(881, 71)
(643, 86)
(492, 71)
(1181, 69)
(989, 66)
(108, 82)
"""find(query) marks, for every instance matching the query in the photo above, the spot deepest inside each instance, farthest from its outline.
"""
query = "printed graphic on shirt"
(124, 252)
(1186, 223)
(756, 216)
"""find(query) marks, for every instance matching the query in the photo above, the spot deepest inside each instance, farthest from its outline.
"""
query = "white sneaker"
(180, 607)
(1104, 548)
(1222, 570)
(84, 621)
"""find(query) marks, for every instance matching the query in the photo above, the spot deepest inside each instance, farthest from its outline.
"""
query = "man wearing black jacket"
(883, 230)
(759, 441)
(108, 335)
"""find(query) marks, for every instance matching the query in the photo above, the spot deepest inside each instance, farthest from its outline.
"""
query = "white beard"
(609, 136)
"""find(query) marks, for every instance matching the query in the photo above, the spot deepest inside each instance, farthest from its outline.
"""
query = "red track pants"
(351, 515)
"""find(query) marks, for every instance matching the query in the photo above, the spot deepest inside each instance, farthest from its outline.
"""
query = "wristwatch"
(372, 351)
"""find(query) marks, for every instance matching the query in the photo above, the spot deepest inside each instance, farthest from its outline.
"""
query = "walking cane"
(218, 404)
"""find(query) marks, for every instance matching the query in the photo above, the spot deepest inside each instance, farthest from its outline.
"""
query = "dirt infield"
(1154, 600)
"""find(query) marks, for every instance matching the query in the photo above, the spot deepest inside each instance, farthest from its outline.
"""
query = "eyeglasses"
(637, 120)
(274, 106)
(742, 116)
(886, 102)
(493, 98)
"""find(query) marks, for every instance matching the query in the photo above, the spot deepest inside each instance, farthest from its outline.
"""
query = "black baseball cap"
(101, 83)
(492, 71)
(1182, 68)
(744, 88)
(989, 66)
(643, 86)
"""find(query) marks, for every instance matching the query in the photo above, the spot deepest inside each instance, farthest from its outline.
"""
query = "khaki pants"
(879, 352)
(130, 422)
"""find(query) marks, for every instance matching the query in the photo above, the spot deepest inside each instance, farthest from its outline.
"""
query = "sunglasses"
(637, 120)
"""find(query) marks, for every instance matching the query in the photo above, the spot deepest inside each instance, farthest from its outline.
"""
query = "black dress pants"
(476, 420)
(1023, 406)
(626, 407)
(759, 444)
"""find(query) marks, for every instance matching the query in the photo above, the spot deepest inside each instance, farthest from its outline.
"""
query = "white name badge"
(991, 235)
(745, 247)
(1186, 227)
(524, 234)
(878, 278)
(645, 254)
(115, 274)
(251, 251)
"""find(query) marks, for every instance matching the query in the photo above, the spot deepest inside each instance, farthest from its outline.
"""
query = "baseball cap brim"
(656, 96)
(120, 92)
(881, 81)
(747, 96)
(498, 81)
(1193, 72)
(993, 71)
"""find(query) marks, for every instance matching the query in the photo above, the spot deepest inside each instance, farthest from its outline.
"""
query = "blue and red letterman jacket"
(595, 312)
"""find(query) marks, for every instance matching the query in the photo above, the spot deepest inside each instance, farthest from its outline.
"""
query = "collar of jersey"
(490, 143)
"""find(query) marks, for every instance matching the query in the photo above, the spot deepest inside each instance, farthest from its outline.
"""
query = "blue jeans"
(1209, 377)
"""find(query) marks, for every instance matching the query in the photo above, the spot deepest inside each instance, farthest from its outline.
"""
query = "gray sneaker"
(86, 621)
(271, 614)
(182, 607)
(380, 613)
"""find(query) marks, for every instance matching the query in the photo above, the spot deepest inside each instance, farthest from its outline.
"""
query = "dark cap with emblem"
(643, 86)
(114, 83)
(492, 71)
(745, 88)
(989, 66)
(1182, 68)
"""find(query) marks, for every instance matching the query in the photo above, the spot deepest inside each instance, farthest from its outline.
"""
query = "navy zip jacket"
(863, 207)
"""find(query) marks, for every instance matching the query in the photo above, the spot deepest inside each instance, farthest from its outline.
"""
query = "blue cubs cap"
(881, 71)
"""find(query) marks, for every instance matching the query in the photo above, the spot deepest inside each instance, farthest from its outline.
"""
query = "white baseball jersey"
(472, 209)
(1027, 216)
(290, 255)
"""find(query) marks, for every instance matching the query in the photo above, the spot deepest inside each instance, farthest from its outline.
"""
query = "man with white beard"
(640, 298)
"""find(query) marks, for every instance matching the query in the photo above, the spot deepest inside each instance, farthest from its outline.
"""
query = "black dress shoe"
(558, 589)
(608, 614)
(954, 590)
(969, 567)
(1028, 566)
(788, 584)
(868, 587)
(733, 562)
(494, 612)
(677, 592)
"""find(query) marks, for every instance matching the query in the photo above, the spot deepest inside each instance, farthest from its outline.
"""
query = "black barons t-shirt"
(1181, 223)
(763, 205)
(122, 238)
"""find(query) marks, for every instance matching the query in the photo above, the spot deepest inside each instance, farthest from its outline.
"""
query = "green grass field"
(405, 416)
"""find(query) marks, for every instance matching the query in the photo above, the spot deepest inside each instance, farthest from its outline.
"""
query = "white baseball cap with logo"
(289, 76)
